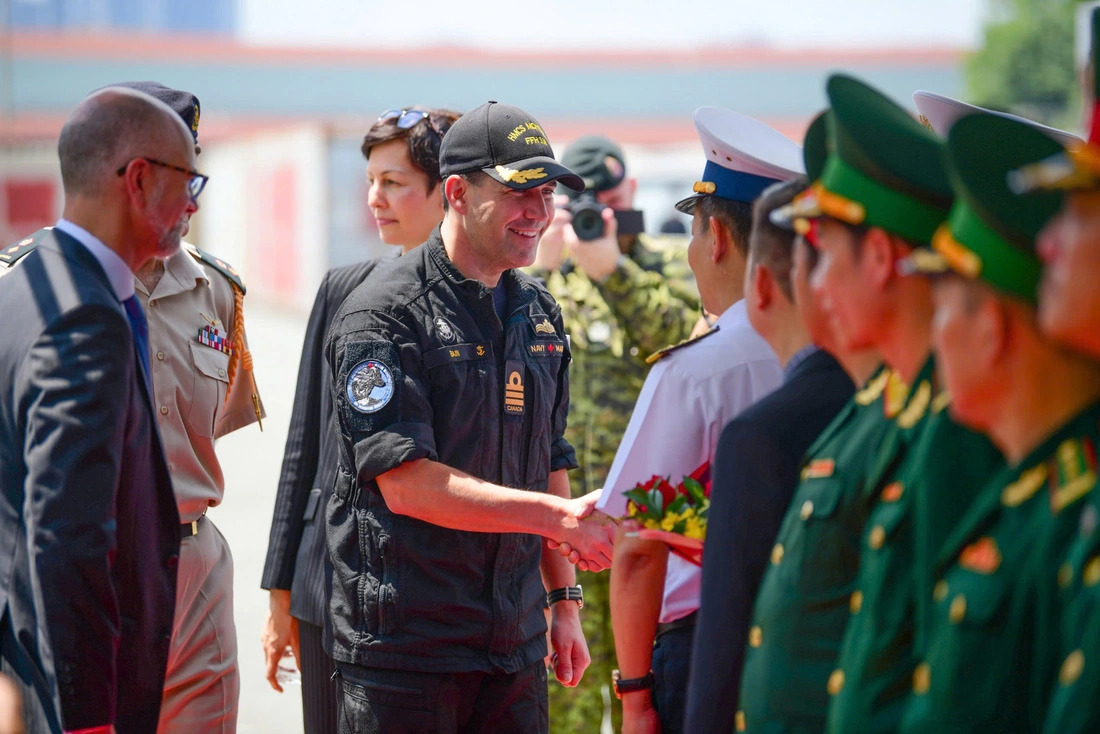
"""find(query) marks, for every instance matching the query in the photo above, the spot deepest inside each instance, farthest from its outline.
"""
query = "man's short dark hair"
(424, 139)
(770, 244)
(473, 178)
(735, 215)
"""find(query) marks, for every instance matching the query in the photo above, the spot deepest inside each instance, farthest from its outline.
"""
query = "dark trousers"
(320, 694)
(379, 701)
(671, 665)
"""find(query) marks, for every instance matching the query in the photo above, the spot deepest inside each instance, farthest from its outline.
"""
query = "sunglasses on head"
(407, 118)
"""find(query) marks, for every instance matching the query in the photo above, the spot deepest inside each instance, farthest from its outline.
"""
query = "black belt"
(685, 621)
(188, 529)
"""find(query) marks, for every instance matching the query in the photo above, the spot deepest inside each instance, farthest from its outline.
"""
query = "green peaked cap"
(990, 233)
(884, 169)
(815, 148)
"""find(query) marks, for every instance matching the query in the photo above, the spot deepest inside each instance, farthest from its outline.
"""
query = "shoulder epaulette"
(662, 353)
(11, 254)
(218, 264)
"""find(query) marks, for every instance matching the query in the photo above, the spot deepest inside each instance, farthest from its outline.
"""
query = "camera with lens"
(588, 218)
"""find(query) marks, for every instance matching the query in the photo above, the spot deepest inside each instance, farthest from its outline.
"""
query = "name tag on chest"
(455, 353)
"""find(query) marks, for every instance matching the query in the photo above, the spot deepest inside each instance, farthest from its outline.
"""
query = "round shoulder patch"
(370, 386)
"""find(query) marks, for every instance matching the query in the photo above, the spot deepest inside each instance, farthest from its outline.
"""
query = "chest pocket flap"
(210, 362)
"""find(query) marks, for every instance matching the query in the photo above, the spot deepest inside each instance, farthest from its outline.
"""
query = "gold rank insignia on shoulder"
(1025, 487)
(874, 388)
(917, 407)
(662, 353)
(982, 556)
(895, 395)
(819, 468)
(941, 401)
(1073, 472)
(545, 327)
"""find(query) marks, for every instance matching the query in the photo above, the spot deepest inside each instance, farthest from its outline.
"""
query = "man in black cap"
(450, 388)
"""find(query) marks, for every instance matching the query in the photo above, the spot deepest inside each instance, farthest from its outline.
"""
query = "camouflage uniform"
(649, 302)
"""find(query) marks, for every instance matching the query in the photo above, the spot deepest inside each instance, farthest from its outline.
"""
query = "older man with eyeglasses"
(197, 358)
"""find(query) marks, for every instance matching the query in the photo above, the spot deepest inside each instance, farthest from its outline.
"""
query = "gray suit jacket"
(89, 533)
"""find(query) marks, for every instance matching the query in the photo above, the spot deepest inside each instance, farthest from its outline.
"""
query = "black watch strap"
(566, 593)
(630, 685)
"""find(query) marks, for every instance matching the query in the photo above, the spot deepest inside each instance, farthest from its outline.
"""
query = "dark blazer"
(296, 548)
(756, 469)
(89, 533)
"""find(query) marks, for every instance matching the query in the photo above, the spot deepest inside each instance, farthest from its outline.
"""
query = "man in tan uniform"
(203, 389)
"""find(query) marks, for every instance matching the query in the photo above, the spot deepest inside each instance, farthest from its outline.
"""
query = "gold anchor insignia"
(545, 327)
(520, 177)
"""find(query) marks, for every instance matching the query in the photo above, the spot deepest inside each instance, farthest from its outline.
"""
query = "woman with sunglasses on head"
(402, 152)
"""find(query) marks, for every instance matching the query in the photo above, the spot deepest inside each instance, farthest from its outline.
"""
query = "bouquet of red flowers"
(661, 509)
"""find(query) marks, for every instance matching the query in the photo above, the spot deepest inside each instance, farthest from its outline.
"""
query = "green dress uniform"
(1074, 705)
(648, 302)
(803, 603)
(988, 657)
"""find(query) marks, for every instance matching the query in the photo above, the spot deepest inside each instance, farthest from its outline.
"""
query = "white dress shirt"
(687, 399)
(118, 272)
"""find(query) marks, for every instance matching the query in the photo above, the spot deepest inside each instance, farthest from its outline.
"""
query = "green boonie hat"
(884, 168)
(598, 160)
(815, 151)
(990, 233)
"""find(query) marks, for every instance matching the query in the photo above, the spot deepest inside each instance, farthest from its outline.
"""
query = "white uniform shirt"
(687, 399)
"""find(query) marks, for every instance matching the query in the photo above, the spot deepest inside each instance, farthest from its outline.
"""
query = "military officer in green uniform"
(883, 192)
(623, 296)
(1069, 310)
(801, 608)
(988, 652)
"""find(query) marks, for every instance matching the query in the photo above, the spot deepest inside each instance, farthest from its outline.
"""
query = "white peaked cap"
(939, 113)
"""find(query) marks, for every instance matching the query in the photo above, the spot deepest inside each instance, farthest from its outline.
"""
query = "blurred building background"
(281, 124)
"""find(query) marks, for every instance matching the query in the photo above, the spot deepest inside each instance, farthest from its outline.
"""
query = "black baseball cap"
(506, 143)
(185, 104)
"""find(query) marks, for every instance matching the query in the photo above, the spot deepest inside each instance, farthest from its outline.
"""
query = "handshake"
(586, 536)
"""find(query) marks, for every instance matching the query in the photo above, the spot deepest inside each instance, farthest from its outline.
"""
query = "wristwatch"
(630, 685)
(566, 593)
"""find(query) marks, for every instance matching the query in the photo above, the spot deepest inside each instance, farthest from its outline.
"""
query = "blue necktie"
(141, 335)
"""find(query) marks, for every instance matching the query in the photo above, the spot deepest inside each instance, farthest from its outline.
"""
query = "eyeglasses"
(195, 184)
(407, 118)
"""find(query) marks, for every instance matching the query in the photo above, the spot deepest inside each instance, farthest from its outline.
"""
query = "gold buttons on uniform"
(807, 509)
(1065, 576)
(836, 682)
(739, 720)
(1071, 668)
(939, 591)
(164, 410)
(777, 554)
(922, 679)
(877, 537)
(160, 356)
(756, 636)
(855, 603)
(1091, 576)
(957, 612)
